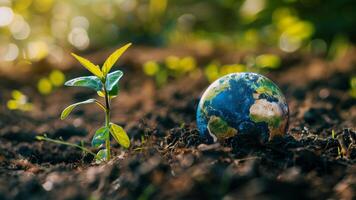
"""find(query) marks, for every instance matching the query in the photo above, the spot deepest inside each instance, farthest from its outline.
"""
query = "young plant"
(106, 86)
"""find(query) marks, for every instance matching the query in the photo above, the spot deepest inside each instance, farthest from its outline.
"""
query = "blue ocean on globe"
(242, 104)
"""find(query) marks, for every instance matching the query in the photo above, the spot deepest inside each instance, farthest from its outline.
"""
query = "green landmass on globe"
(242, 103)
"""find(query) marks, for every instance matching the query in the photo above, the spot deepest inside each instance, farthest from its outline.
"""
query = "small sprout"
(106, 85)
(19, 101)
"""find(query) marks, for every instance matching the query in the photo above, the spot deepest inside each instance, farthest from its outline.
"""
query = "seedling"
(106, 86)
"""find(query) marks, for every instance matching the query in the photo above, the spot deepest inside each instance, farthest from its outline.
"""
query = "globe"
(242, 104)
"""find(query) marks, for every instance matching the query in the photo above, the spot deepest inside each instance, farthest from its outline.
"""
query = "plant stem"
(100, 105)
(107, 123)
(107, 142)
(66, 143)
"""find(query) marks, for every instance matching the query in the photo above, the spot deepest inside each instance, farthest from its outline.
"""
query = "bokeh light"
(57, 78)
(19, 28)
(268, 61)
(250, 8)
(19, 101)
(45, 30)
(151, 68)
(79, 38)
(44, 86)
(7, 15)
(9, 52)
(36, 50)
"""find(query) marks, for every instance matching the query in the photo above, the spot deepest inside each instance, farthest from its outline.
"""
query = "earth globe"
(242, 104)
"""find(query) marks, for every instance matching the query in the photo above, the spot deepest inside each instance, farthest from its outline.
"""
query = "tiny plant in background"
(268, 61)
(19, 101)
(46, 84)
(106, 85)
(172, 67)
(261, 63)
(214, 70)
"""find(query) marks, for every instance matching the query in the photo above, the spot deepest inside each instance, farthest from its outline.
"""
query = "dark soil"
(168, 159)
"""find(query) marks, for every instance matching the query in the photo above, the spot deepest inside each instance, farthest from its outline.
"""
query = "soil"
(168, 159)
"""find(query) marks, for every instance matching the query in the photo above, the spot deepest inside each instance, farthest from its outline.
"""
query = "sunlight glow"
(79, 38)
(10, 52)
(19, 28)
(7, 15)
(37, 50)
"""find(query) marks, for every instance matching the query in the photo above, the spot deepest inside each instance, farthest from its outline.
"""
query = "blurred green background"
(32, 30)
(37, 36)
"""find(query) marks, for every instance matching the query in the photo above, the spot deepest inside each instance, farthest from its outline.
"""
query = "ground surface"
(168, 159)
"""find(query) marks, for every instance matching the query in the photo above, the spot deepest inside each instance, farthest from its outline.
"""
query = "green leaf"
(111, 60)
(112, 85)
(101, 156)
(113, 79)
(94, 69)
(114, 91)
(100, 136)
(120, 135)
(69, 109)
(92, 82)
